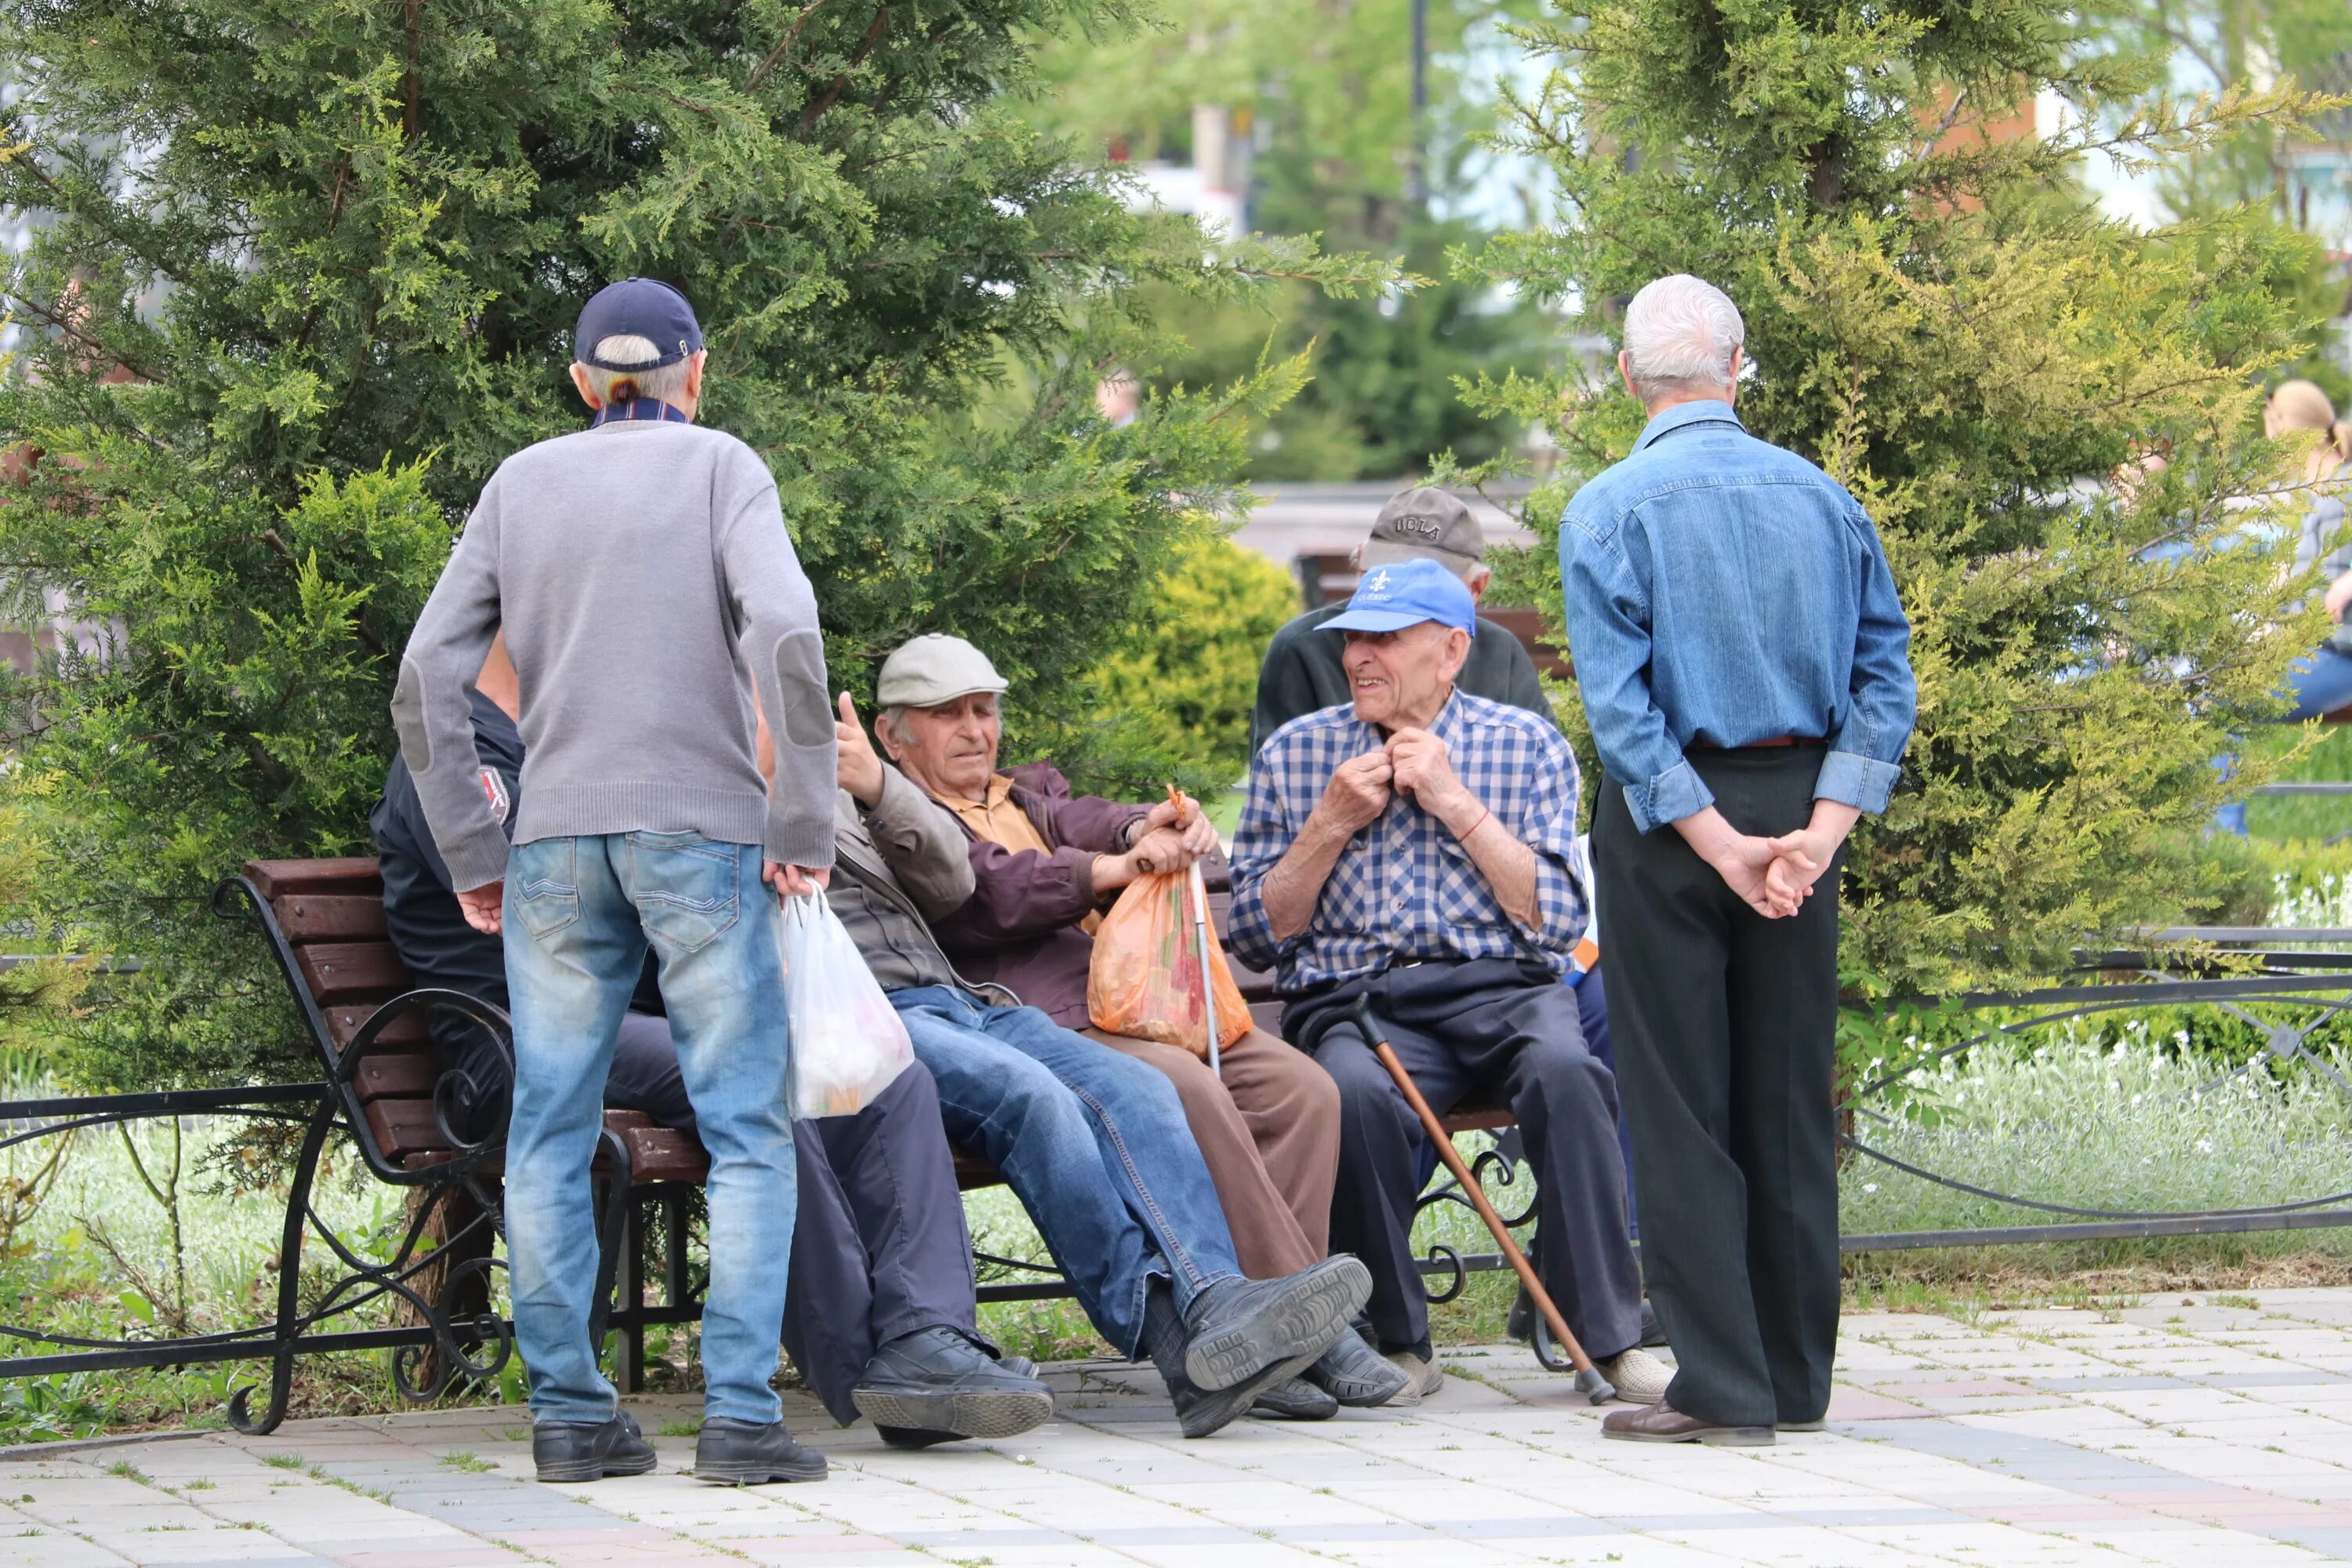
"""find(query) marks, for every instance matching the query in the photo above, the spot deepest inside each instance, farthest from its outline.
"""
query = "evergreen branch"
(775, 56)
(830, 95)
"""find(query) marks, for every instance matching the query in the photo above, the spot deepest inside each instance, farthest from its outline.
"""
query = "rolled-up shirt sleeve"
(1863, 760)
(1264, 835)
(1609, 638)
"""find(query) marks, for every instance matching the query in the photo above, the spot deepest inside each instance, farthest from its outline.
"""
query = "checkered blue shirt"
(1404, 889)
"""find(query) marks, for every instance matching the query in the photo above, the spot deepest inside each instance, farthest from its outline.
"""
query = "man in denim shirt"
(1743, 659)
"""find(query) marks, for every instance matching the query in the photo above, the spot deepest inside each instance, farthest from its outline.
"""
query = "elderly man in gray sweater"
(654, 608)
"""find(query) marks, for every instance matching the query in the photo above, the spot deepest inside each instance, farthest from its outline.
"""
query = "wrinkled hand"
(1200, 835)
(1162, 849)
(1799, 860)
(1745, 863)
(2340, 596)
(485, 906)
(1424, 771)
(1359, 791)
(860, 770)
(795, 881)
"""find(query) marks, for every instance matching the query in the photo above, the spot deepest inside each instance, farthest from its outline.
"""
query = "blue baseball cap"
(1391, 599)
(638, 308)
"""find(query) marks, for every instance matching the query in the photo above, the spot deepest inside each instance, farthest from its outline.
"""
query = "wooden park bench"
(371, 1026)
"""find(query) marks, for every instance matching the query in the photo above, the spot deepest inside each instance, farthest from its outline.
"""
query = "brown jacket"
(1020, 927)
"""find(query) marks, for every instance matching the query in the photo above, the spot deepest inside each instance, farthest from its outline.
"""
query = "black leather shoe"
(1237, 1328)
(590, 1450)
(912, 1438)
(1295, 1399)
(1357, 1376)
(741, 1454)
(935, 1380)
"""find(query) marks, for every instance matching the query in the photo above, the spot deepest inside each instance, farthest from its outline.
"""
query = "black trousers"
(1725, 1024)
(879, 1248)
(1510, 1030)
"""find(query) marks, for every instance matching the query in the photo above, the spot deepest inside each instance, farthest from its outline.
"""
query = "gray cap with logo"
(1426, 525)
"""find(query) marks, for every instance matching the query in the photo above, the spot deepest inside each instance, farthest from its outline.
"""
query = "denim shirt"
(1722, 590)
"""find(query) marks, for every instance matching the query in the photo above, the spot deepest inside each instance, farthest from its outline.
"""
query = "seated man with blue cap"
(1414, 847)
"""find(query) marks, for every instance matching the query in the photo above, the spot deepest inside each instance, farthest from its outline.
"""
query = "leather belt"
(1757, 745)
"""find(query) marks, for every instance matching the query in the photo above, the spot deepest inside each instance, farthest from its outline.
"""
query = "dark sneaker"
(1356, 1374)
(741, 1454)
(1295, 1399)
(1200, 1410)
(935, 1380)
(1237, 1328)
(590, 1450)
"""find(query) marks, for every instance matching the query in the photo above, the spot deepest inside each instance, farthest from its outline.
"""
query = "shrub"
(1188, 669)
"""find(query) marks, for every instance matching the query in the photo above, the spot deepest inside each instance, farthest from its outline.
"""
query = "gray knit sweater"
(648, 590)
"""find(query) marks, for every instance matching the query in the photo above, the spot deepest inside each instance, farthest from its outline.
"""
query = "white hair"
(892, 721)
(666, 383)
(1681, 332)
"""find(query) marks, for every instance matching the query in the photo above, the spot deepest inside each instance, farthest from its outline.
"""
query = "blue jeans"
(2320, 682)
(579, 914)
(1092, 1142)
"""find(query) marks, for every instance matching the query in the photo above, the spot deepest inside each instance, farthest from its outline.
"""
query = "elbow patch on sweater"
(408, 719)
(799, 669)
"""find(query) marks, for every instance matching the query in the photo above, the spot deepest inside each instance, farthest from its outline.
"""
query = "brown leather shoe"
(1662, 1422)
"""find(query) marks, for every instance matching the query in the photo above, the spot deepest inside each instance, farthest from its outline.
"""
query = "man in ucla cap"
(1302, 670)
(653, 610)
(1416, 848)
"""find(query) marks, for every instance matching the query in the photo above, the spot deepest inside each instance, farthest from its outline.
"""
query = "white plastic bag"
(848, 1042)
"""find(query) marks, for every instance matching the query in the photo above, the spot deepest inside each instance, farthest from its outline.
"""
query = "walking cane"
(1589, 1380)
(1200, 895)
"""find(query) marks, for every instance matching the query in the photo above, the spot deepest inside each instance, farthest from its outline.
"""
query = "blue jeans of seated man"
(579, 914)
(1092, 1142)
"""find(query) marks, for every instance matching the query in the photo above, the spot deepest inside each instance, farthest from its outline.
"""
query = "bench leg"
(290, 1284)
(629, 1365)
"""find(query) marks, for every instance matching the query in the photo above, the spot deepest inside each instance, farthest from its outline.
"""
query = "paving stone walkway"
(2211, 1432)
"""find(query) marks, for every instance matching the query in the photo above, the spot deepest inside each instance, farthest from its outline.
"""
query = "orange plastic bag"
(1145, 980)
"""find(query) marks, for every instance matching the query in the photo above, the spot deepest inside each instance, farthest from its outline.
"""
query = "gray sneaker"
(1295, 1399)
(1423, 1378)
(1356, 1374)
(1237, 1328)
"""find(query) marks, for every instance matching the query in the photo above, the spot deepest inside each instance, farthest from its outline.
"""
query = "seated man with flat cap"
(1414, 849)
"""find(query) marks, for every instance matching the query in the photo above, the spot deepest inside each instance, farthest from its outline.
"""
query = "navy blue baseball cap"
(640, 308)
(1405, 594)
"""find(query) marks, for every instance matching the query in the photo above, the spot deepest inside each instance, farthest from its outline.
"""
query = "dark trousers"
(1498, 1027)
(879, 1248)
(1725, 1026)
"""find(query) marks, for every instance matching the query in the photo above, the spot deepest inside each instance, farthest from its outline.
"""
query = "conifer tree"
(306, 270)
(1941, 320)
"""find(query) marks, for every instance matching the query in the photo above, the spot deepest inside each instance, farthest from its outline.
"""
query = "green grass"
(2304, 817)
